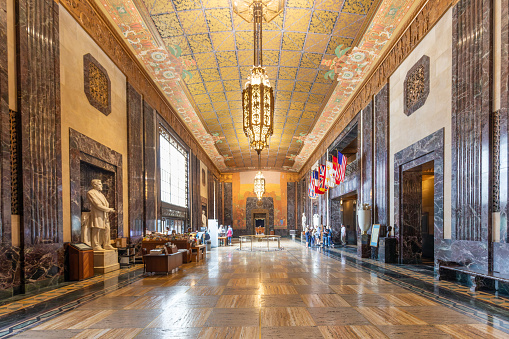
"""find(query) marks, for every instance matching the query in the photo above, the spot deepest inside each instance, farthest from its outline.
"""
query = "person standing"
(326, 236)
(343, 235)
(229, 234)
(307, 236)
(329, 236)
(317, 236)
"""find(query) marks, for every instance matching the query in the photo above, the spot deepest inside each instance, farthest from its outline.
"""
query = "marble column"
(39, 110)
(151, 135)
(135, 162)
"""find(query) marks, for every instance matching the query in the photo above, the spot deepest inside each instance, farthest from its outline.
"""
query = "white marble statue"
(203, 219)
(316, 220)
(98, 221)
(303, 220)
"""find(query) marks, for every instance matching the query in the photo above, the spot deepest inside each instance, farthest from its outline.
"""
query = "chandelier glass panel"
(258, 95)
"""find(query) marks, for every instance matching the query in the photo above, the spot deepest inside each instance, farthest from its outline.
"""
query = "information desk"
(162, 263)
(261, 237)
(198, 252)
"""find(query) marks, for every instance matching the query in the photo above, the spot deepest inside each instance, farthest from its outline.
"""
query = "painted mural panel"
(275, 188)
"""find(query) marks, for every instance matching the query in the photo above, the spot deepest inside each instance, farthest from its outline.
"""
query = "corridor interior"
(292, 293)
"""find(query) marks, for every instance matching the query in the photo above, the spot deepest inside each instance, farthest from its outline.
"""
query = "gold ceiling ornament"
(258, 95)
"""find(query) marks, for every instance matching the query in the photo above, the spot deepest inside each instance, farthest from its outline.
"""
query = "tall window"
(173, 170)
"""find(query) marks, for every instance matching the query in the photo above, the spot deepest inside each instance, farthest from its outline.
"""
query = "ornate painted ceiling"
(200, 54)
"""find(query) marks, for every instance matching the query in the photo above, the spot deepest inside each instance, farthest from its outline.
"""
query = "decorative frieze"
(416, 86)
(97, 84)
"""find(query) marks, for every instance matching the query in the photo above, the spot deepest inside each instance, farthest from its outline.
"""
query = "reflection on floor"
(297, 293)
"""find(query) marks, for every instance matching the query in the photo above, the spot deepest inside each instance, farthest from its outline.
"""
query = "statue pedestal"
(105, 261)
(363, 247)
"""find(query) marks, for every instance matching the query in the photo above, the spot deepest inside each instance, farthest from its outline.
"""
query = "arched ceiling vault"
(200, 54)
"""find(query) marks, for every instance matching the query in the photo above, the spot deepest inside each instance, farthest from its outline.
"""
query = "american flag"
(341, 167)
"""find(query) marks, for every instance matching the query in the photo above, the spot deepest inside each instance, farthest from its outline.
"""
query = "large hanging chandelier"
(259, 185)
(258, 95)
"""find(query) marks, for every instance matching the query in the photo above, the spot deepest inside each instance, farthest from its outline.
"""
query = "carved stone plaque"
(416, 87)
(97, 84)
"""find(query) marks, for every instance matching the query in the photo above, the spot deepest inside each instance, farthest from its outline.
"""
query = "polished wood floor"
(294, 293)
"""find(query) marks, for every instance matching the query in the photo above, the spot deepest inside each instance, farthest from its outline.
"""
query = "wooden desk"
(162, 263)
(198, 252)
(222, 241)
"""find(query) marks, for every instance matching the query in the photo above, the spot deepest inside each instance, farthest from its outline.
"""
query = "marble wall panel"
(39, 107)
(5, 134)
(219, 204)
(381, 157)
(291, 212)
(135, 163)
(151, 137)
(88, 157)
(210, 193)
(471, 109)
(411, 208)
(38, 88)
(228, 203)
(336, 219)
(195, 183)
(503, 115)
(252, 206)
(10, 270)
(367, 156)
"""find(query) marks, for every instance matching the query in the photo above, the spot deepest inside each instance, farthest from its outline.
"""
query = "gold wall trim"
(424, 19)
(94, 22)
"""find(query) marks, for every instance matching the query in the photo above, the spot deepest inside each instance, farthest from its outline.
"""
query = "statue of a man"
(303, 220)
(99, 210)
(203, 219)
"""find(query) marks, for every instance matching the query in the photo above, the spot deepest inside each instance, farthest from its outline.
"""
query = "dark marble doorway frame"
(430, 148)
(83, 148)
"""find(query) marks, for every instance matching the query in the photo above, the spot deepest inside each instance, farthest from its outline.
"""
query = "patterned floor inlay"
(296, 293)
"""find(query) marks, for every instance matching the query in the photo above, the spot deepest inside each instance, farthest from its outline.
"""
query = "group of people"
(226, 232)
(314, 236)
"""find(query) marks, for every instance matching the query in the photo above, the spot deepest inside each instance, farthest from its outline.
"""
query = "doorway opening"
(259, 221)
(418, 215)
(343, 211)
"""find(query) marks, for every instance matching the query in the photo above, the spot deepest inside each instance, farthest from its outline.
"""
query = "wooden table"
(222, 241)
(162, 263)
(198, 252)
